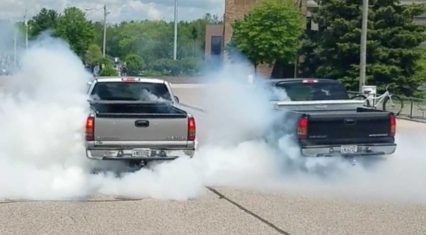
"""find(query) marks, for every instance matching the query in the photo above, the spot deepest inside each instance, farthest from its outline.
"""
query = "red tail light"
(302, 128)
(129, 79)
(191, 129)
(90, 129)
(392, 125)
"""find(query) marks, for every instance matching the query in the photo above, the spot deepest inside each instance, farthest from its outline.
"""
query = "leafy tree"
(269, 32)
(134, 64)
(189, 66)
(107, 69)
(166, 66)
(44, 20)
(392, 53)
(93, 55)
(420, 74)
(76, 30)
(152, 41)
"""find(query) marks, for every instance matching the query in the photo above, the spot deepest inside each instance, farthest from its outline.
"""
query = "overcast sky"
(120, 10)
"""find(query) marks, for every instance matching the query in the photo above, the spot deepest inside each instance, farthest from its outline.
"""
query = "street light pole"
(15, 42)
(363, 54)
(26, 29)
(105, 27)
(175, 37)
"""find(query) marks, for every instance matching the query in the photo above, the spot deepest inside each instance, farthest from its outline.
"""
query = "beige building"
(214, 46)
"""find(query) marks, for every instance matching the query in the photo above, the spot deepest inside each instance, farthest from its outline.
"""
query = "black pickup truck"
(327, 123)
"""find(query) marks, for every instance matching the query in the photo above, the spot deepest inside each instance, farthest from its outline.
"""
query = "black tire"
(397, 106)
(361, 97)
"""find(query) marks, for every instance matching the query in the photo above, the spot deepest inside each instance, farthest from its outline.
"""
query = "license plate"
(348, 149)
(141, 153)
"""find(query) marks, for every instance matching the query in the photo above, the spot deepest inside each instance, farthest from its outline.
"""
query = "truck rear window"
(134, 91)
(299, 91)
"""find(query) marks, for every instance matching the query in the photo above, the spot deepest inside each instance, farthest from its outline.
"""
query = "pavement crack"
(261, 219)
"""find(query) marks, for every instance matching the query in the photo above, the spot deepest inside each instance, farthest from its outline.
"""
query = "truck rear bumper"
(336, 150)
(128, 154)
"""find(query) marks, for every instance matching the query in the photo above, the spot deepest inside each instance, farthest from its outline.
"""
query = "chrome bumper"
(125, 154)
(335, 150)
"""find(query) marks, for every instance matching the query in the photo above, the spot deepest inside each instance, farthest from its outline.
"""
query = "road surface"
(220, 210)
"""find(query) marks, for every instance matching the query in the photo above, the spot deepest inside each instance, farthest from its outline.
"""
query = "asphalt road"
(220, 210)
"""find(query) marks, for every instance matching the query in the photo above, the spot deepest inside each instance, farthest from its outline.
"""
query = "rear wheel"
(395, 105)
(362, 97)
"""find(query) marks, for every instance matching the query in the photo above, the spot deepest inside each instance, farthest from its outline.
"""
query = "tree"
(76, 30)
(107, 69)
(392, 53)
(269, 32)
(134, 64)
(93, 55)
(152, 41)
(44, 20)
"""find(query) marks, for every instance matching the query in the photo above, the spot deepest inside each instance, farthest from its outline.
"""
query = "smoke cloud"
(244, 143)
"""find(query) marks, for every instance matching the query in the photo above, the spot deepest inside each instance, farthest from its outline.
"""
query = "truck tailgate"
(140, 122)
(348, 127)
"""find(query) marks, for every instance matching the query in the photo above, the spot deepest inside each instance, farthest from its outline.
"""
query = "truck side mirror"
(177, 99)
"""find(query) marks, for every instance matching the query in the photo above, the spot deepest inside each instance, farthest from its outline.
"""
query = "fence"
(413, 108)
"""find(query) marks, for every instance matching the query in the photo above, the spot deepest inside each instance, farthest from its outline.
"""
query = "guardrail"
(414, 108)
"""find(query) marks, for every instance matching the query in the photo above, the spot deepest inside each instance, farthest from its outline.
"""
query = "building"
(214, 43)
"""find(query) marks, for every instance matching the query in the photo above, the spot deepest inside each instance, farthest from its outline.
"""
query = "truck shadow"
(119, 168)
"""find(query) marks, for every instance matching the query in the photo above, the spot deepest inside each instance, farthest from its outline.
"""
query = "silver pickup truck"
(137, 120)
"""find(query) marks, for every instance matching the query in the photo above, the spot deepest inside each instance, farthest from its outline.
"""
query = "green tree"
(107, 69)
(76, 30)
(44, 20)
(392, 53)
(93, 55)
(134, 64)
(153, 41)
(269, 32)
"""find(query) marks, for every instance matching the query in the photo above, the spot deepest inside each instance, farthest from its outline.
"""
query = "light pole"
(363, 53)
(15, 42)
(175, 37)
(105, 26)
(26, 29)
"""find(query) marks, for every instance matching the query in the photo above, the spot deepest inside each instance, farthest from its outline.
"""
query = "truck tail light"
(191, 129)
(129, 79)
(392, 125)
(309, 81)
(302, 128)
(90, 128)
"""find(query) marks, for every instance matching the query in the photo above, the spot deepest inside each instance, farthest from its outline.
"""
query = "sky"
(119, 10)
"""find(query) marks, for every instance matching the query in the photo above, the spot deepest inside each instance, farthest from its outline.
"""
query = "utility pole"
(105, 27)
(15, 56)
(175, 38)
(363, 54)
(26, 29)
